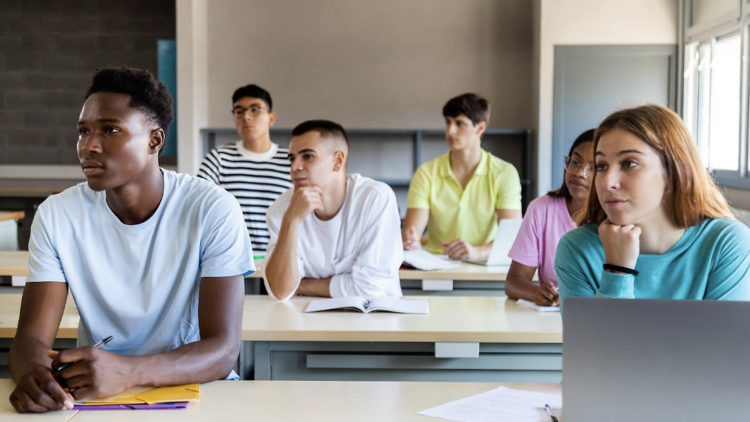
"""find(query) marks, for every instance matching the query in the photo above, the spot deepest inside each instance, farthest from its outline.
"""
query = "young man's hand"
(304, 201)
(94, 373)
(39, 392)
(411, 239)
(461, 250)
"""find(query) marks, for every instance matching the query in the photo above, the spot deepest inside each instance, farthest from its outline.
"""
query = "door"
(591, 82)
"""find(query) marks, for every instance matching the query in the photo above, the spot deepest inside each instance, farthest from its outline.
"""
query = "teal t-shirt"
(711, 261)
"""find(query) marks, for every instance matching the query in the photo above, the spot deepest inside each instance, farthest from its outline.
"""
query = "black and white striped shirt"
(255, 179)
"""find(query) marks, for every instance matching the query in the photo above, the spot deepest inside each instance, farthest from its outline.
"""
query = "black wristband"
(610, 267)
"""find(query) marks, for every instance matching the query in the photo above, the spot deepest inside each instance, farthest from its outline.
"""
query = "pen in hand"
(549, 412)
(96, 346)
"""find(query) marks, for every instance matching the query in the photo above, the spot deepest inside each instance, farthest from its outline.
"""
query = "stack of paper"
(426, 261)
(499, 405)
(174, 397)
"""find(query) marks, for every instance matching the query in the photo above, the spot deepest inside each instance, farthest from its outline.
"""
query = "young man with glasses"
(253, 169)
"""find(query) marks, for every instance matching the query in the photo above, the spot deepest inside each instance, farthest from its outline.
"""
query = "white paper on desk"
(499, 405)
(423, 260)
(534, 306)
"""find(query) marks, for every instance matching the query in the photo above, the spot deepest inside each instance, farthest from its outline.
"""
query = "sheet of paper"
(426, 261)
(499, 405)
(534, 306)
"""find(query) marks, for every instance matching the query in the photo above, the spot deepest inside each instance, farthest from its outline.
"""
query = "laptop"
(507, 231)
(655, 360)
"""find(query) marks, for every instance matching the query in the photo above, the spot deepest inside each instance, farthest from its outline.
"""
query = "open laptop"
(655, 360)
(507, 231)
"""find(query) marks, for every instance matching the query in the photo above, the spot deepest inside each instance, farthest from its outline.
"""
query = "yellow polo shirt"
(469, 214)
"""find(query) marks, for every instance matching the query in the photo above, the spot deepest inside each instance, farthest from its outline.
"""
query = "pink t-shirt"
(546, 221)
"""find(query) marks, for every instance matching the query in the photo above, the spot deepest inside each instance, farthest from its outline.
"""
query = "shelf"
(490, 139)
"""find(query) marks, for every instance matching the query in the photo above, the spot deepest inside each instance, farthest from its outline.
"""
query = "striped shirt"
(255, 179)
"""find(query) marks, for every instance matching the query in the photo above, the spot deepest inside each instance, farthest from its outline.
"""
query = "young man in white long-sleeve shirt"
(333, 234)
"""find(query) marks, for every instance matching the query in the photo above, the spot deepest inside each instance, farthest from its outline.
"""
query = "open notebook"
(379, 304)
(423, 260)
(174, 397)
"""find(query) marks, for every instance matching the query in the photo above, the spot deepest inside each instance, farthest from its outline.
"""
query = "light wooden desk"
(10, 307)
(14, 263)
(466, 280)
(504, 342)
(498, 340)
(291, 401)
(11, 215)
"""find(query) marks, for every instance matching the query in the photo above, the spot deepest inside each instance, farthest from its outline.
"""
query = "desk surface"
(10, 307)
(16, 263)
(451, 319)
(11, 215)
(304, 401)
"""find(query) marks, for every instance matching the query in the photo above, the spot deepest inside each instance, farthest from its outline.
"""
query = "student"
(547, 219)
(333, 234)
(655, 226)
(462, 195)
(153, 258)
(254, 169)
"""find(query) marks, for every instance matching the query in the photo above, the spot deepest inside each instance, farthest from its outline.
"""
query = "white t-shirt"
(360, 248)
(139, 283)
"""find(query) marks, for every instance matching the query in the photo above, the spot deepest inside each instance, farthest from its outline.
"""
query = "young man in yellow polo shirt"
(462, 195)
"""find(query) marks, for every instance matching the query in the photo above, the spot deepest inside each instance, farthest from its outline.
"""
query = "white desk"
(281, 342)
(291, 401)
(466, 280)
(514, 344)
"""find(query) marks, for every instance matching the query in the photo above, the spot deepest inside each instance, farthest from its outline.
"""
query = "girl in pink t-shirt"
(547, 219)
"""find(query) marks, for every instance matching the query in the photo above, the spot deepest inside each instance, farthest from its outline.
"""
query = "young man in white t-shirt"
(153, 258)
(254, 169)
(333, 234)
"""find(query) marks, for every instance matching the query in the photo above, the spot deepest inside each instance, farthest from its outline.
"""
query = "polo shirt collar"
(445, 164)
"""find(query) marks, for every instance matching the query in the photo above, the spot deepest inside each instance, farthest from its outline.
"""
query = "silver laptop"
(507, 231)
(655, 360)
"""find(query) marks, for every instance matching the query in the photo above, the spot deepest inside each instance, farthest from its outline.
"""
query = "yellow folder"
(147, 395)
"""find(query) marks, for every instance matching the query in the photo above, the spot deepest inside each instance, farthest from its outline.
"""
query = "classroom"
(588, 151)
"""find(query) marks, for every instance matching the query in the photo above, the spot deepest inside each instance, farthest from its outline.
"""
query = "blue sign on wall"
(167, 64)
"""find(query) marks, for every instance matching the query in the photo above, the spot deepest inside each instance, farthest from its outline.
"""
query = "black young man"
(153, 258)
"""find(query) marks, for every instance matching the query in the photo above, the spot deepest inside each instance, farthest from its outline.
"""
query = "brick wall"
(49, 50)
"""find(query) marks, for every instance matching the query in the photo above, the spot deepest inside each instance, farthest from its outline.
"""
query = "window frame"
(695, 37)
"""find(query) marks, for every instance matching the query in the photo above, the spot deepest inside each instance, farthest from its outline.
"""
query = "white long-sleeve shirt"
(360, 248)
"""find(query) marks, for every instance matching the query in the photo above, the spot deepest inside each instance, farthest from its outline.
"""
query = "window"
(714, 107)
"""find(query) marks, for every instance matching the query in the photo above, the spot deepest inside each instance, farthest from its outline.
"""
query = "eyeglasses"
(572, 166)
(239, 112)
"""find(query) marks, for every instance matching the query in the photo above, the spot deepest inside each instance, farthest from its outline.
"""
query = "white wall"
(385, 64)
(590, 22)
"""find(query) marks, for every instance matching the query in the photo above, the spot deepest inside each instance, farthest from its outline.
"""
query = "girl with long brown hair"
(655, 225)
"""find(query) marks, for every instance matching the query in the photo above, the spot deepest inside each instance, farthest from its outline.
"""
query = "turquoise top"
(710, 261)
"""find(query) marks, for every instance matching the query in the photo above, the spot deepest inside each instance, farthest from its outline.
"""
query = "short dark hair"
(476, 108)
(326, 128)
(254, 91)
(563, 192)
(147, 94)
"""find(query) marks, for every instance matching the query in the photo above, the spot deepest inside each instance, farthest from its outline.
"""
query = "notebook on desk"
(655, 360)
(507, 231)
